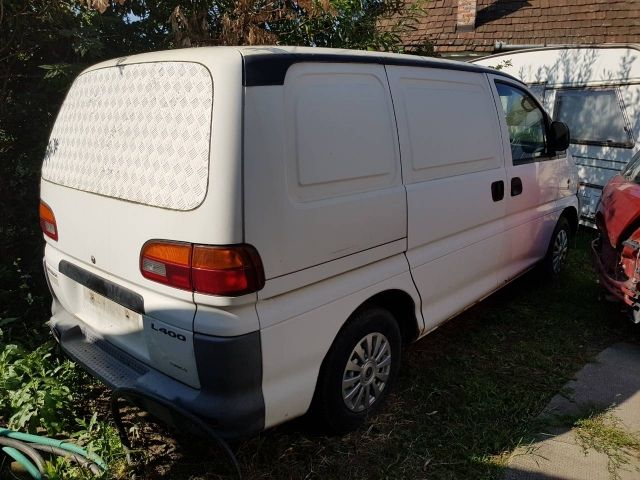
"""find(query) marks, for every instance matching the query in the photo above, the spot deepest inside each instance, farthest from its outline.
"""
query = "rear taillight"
(227, 271)
(48, 221)
(168, 263)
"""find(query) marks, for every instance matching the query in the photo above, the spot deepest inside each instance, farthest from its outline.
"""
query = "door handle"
(516, 186)
(497, 190)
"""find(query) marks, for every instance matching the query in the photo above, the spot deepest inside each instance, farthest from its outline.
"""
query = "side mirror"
(558, 136)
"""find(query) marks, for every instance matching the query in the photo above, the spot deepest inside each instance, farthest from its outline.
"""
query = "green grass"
(604, 433)
(468, 393)
(467, 396)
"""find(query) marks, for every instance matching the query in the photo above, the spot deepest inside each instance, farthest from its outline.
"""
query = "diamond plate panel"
(136, 132)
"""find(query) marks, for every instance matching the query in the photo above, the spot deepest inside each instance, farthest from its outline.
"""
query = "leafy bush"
(97, 437)
(37, 389)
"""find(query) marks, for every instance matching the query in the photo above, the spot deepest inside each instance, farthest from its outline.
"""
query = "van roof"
(571, 65)
(267, 65)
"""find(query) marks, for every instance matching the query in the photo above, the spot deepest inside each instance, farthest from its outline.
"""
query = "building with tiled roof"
(468, 28)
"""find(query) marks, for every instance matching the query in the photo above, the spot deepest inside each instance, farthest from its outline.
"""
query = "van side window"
(575, 107)
(526, 124)
(538, 90)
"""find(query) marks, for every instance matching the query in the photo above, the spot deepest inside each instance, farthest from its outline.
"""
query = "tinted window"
(577, 108)
(525, 121)
(538, 91)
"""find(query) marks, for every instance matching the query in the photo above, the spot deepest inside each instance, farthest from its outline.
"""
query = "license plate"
(111, 316)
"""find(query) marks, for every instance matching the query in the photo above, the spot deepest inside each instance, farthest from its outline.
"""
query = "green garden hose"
(24, 461)
(22, 447)
(26, 450)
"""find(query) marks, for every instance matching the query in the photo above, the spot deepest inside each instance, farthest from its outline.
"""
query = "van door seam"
(406, 201)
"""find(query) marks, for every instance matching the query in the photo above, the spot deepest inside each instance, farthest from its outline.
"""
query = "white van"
(595, 91)
(254, 232)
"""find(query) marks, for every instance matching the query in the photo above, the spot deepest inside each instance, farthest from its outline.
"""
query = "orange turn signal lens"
(48, 221)
(172, 252)
(167, 262)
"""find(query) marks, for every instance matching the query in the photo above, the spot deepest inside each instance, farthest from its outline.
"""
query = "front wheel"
(358, 372)
(556, 258)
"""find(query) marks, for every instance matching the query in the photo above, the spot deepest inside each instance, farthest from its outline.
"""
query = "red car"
(617, 250)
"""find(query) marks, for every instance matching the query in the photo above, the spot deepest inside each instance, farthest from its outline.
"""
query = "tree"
(43, 45)
(363, 24)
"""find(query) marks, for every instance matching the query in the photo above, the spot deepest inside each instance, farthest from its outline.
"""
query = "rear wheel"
(556, 258)
(358, 372)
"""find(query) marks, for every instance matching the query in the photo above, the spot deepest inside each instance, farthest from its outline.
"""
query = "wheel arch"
(403, 308)
(571, 214)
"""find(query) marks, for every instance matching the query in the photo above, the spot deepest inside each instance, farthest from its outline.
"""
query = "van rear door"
(129, 160)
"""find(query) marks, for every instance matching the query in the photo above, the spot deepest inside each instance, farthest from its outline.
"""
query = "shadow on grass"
(467, 394)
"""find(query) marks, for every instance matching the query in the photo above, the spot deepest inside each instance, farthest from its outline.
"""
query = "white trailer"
(595, 90)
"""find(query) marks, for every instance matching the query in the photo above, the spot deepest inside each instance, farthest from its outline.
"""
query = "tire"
(556, 256)
(347, 394)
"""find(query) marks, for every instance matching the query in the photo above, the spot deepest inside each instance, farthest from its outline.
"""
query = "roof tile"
(528, 22)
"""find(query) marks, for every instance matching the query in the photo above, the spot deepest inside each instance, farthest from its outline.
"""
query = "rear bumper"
(230, 371)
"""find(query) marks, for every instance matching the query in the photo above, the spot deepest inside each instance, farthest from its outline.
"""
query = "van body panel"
(299, 214)
(307, 321)
(456, 228)
(286, 283)
(297, 302)
(589, 70)
(230, 321)
(520, 231)
(532, 215)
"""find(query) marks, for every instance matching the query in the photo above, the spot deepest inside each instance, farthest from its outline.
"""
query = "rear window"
(594, 116)
(136, 132)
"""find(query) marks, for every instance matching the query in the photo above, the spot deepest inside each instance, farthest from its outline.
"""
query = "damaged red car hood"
(619, 208)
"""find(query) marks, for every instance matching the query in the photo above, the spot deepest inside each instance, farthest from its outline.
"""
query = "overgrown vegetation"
(43, 393)
(37, 390)
(604, 433)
